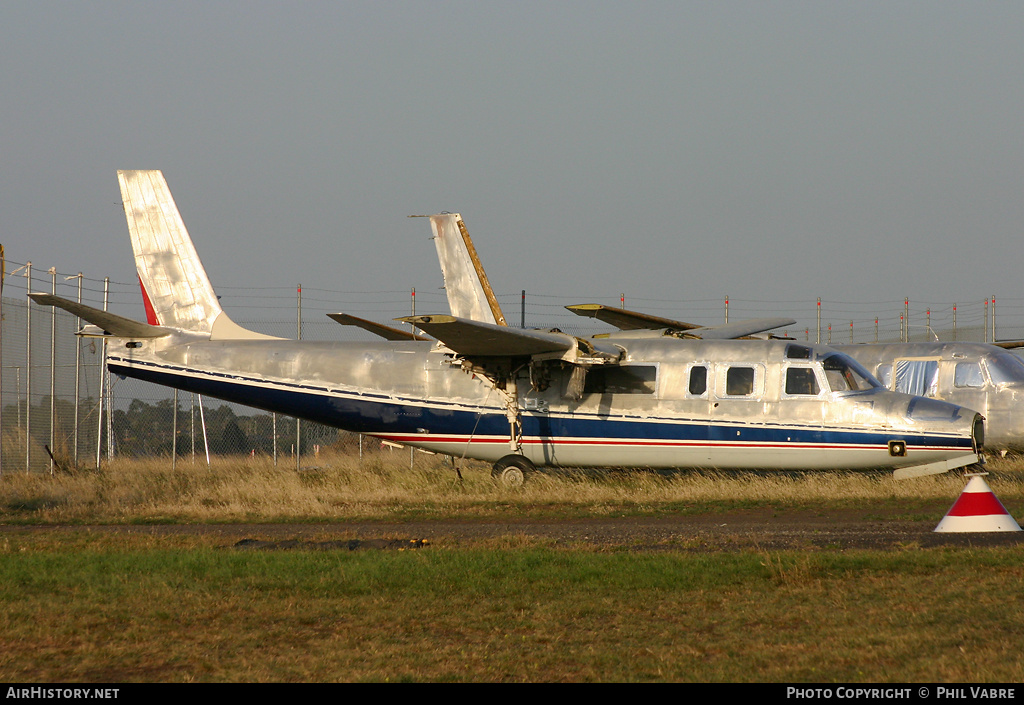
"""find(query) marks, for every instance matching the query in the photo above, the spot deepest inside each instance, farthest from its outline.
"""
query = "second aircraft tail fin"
(465, 282)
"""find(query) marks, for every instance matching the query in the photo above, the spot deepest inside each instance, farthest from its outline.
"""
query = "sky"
(675, 152)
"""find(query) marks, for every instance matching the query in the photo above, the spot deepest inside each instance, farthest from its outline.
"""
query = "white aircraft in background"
(977, 376)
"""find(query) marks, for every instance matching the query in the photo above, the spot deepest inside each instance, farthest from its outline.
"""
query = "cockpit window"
(1005, 368)
(845, 375)
(797, 352)
(968, 374)
(884, 374)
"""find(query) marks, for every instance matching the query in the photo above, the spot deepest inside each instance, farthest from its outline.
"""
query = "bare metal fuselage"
(982, 377)
(419, 394)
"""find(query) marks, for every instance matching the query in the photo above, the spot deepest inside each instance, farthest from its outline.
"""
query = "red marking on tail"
(151, 318)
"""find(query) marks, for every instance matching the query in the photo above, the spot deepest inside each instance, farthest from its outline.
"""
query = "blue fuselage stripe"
(380, 415)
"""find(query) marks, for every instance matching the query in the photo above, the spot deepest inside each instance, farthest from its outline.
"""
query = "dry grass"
(383, 486)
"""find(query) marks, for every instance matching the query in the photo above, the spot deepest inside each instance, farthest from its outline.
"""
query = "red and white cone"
(977, 509)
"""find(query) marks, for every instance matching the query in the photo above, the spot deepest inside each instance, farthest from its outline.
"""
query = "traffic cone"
(977, 509)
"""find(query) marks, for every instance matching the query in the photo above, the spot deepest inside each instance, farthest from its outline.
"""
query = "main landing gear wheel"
(512, 470)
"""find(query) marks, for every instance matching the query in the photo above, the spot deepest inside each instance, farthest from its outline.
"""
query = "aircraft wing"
(110, 323)
(634, 320)
(386, 332)
(1009, 344)
(476, 339)
(739, 329)
(628, 320)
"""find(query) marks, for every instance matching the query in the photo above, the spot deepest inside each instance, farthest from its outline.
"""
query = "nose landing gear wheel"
(512, 470)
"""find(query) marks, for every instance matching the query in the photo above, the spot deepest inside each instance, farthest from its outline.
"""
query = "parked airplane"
(470, 297)
(524, 398)
(977, 376)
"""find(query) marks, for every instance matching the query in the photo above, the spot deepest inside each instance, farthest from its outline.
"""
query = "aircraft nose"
(943, 417)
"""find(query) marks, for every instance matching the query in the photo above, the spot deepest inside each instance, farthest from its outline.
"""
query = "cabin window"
(698, 385)
(968, 374)
(739, 381)
(917, 377)
(627, 379)
(801, 381)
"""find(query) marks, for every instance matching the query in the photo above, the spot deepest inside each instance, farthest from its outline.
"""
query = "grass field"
(383, 487)
(85, 606)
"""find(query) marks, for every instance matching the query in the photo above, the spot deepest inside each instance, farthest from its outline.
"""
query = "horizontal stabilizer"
(475, 338)
(386, 332)
(109, 323)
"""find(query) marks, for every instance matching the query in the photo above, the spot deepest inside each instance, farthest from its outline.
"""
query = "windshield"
(1004, 368)
(845, 375)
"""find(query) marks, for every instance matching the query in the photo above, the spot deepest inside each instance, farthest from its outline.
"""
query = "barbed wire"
(539, 309)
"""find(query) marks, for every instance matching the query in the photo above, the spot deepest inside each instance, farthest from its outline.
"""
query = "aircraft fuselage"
(723, 404)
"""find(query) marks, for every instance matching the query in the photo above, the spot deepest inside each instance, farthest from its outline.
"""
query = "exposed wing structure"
(386, 332)
(634, 320)
(628, 320)
(478, 339)
(739, 329)
(106, 322)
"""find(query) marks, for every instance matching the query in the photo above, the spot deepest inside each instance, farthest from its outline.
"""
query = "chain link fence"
(58, 408)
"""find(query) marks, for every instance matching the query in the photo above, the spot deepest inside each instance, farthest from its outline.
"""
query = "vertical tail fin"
(175, 289)
(465, 282)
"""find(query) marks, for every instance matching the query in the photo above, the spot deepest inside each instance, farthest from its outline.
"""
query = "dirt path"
(759, 529)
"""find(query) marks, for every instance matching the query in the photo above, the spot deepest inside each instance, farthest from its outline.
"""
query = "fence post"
(818, 338)
(3, 274)
(298, 421)
(53, 362)
(102, 384)
(174, 432)
(28, 368)
(78, 372)
(994, 336)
